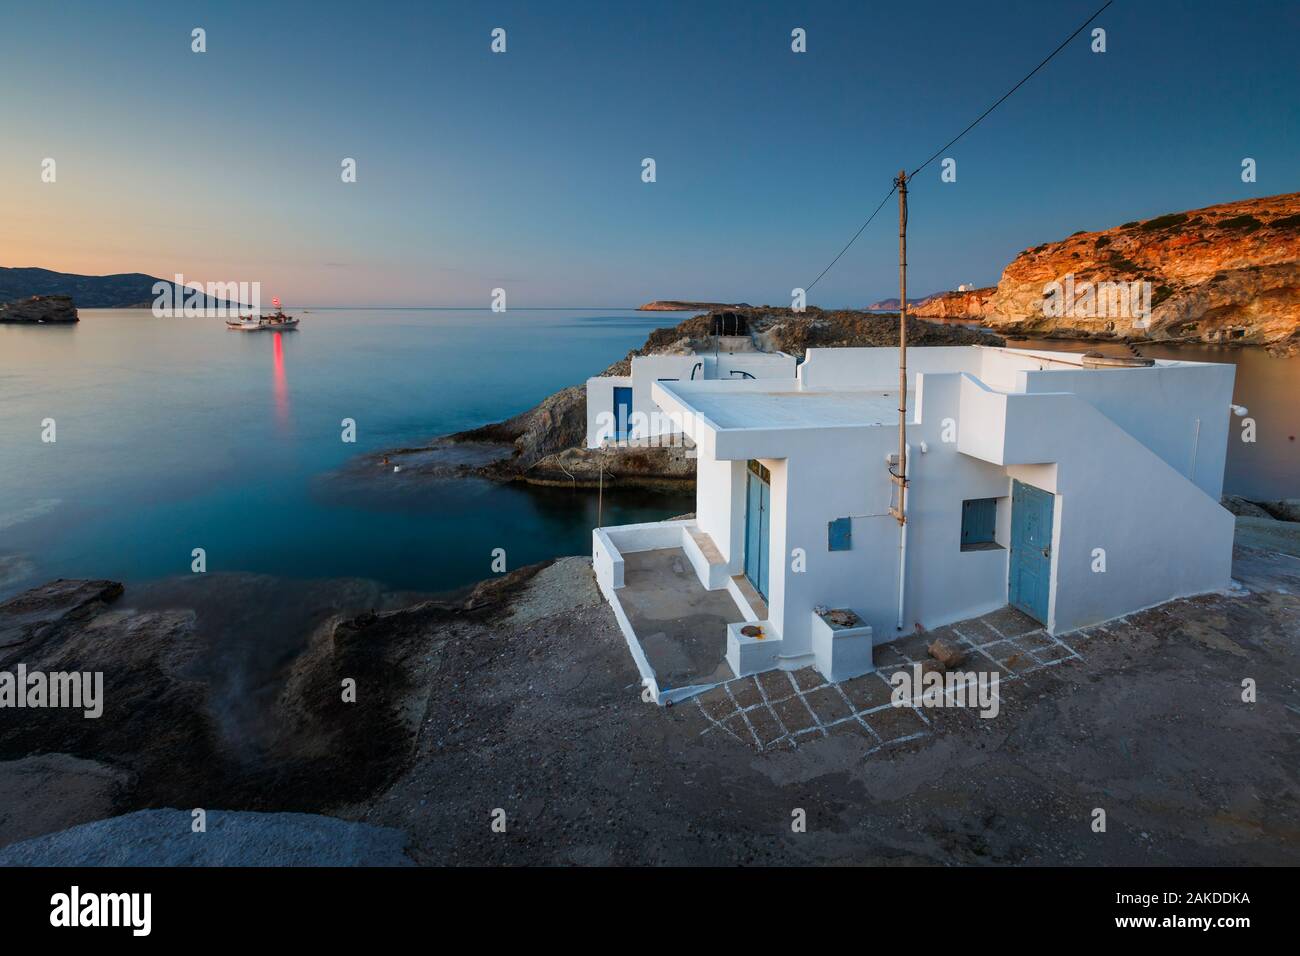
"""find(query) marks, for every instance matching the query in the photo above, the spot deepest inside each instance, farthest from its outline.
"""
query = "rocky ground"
(170, 838)
(522, 703)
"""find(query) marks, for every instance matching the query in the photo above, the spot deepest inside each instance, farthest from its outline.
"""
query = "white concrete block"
(752, 655)
(841, 653)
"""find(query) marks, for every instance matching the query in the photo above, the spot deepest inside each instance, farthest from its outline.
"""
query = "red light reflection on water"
(281, 384)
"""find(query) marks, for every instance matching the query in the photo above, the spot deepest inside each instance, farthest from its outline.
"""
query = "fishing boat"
(277, 321)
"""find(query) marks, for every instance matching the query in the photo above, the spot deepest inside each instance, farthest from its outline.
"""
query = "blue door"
(1031, 549)
(758, 508)
(622, 412)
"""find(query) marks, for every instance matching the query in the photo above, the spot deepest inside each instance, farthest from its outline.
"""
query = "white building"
(621, 407)
(1076, 494)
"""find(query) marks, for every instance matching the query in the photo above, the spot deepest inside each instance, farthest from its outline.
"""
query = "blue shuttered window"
(839, 534)
(979, 517)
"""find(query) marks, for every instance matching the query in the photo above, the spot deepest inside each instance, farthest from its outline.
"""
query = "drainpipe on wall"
(902, 549)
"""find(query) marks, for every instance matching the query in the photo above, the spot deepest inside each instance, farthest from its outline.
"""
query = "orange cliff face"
(1225, 273)
(963, 304)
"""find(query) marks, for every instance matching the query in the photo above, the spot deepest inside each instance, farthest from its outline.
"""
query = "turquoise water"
(175, 434)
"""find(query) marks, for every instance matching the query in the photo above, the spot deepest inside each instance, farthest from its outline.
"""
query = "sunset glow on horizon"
(522, 170)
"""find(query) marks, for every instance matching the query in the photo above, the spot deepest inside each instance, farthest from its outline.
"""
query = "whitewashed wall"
(600, 399)
(647, 369)
(1164, 535)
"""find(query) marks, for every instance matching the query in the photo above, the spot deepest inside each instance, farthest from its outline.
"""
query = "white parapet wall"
(609, 545)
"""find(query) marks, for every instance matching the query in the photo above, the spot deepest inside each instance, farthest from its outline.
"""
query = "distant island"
(891, 305)
(128, 290)
(686, 305)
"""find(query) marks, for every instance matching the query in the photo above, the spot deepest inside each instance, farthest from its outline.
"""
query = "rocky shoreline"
(162, 739)
(545, 445)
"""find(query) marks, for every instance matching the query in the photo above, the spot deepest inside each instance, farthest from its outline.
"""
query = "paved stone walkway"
(785, 708)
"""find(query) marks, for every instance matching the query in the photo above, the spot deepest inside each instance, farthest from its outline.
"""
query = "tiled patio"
(682, 628)
(786, 708)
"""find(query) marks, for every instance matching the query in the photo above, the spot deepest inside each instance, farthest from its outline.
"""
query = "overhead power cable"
(939, 152)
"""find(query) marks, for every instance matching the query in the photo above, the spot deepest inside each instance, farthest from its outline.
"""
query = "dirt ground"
(537, 712)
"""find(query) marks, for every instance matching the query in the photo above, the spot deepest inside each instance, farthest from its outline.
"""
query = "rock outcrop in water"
(40, 310)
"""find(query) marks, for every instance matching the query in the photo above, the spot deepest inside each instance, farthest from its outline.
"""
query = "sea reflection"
(281, 385)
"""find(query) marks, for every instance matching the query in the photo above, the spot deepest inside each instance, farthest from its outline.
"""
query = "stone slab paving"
(786, 708)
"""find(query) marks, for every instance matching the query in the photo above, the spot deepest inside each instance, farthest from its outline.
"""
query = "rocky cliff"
(965, 304)
(1225, 273)
(40, 309)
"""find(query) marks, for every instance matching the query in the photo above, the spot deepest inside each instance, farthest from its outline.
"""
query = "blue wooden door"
(622, 412)
(758, 508)
(1031, 549)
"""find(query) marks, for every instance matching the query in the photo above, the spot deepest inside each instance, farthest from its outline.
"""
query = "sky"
(522, 170)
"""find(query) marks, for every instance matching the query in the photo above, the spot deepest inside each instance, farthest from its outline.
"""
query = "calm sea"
(175, 434)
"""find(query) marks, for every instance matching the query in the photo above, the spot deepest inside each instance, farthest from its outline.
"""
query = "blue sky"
(522, 169)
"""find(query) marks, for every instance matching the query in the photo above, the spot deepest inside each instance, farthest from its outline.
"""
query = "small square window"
(839, 535)
(979, 519)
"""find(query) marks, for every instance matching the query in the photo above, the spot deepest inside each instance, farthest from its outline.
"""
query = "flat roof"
(769, 406)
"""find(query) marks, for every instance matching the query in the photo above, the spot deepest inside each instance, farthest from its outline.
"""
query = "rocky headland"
(40, 310)
(1226, 274)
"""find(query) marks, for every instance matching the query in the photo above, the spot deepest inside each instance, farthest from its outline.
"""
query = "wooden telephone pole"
(900, 476)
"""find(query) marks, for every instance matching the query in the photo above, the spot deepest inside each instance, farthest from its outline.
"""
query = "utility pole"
(900, 476)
